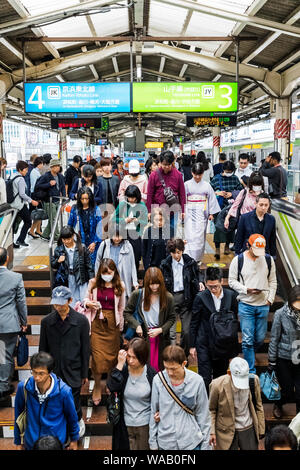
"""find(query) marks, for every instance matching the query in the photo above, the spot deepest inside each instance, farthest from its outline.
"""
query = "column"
(63, 148)
(140, 139)
(216, 132)
(282, 128)
(2, 116)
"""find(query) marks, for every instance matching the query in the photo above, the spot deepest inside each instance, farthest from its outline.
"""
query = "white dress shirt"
(218, 300)
(177, 268)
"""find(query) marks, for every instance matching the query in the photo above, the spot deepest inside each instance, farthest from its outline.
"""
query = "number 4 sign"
(39, 101)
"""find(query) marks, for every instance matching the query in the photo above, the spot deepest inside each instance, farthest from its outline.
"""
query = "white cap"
(239, 369)
(134, 166)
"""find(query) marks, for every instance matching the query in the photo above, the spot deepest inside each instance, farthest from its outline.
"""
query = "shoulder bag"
(233, 221)
(113, 408)
(170, 197)
(173, 395)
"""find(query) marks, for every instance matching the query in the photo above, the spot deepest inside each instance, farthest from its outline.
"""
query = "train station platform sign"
(184, 97)
(77, 97)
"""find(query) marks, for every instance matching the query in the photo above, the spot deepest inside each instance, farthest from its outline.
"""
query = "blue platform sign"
(77, 97)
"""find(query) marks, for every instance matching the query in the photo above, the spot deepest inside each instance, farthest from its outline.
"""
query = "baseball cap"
(55, 162)
(134, 166)
(239, 369)
(258, 243)
(60, 295)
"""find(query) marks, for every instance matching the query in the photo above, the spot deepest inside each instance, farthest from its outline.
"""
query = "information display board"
(184, 97)
(140, 156)
(83, 123)
(154, 145)
(77, 97)
(211, 120)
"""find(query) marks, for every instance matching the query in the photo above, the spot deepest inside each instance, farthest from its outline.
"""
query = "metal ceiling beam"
(138, 39)
(63, 13)
(291, 79)
(251, 10)
(287, 60)
(291, 19)
(139, 14)
(14, 50)
(91, 25)
(91, 66)
(24, 13)
(202, 7)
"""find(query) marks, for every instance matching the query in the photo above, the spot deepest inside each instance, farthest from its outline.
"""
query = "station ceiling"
(273, 25)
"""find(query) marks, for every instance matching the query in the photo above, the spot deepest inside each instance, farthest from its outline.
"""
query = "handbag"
(22, 350)
(269, 386)
(130, 332)
(39, 214)
(21, 420)
(113, 408)
(170, 197)
(233, 221)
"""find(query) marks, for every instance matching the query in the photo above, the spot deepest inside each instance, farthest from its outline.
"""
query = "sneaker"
(277, 411)
(81, 428)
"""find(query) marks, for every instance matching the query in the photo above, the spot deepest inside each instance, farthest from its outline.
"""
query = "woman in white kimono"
(201, 204)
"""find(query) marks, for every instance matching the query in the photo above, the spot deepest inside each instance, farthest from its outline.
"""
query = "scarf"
(292, 314)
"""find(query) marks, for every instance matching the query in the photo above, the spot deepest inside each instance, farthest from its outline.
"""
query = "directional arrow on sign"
(32, 293)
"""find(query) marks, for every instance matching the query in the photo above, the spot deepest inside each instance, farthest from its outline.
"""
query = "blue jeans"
(254, 325)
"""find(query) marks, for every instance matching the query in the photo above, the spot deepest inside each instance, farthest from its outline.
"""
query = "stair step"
(32, 274)
(38, 288)
(38, 305)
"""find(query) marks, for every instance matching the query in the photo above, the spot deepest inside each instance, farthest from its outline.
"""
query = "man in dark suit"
(257, 221)
(213, 299)
(218, 167)
(13, 318)
(65, 335)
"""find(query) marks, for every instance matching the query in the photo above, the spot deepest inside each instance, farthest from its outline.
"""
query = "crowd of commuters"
(119, 226)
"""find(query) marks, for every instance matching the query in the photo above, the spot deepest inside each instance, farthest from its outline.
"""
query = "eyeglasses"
(212, 287)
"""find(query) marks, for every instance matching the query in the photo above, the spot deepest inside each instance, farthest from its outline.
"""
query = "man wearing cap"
(257, 221)
(253, 275)
(134, 178)
(53, 183)
(237, 414)
(65, 335)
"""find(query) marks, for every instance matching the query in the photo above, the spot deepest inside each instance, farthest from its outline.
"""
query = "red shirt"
(106, 297)
(155, 191)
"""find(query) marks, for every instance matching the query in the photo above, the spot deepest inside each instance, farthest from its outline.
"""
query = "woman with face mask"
(224, 184)
(255, 187)
(131, 216)
(106, 299)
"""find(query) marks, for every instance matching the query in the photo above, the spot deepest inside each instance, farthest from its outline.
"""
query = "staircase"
(98, 434)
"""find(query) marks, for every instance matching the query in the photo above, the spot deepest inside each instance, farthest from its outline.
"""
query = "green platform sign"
(184, 97)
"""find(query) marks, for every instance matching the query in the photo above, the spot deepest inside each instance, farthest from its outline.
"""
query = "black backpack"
(224, 327)
(241, 263)
(10, 197)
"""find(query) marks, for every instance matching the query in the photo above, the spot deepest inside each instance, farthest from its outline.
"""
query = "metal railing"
(286, 259)
(53, 226)
(5, 209)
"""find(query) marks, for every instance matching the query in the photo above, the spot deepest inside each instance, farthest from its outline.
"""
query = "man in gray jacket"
(13, 318)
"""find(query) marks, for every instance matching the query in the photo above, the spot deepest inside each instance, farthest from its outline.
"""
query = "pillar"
(2, 116)
(216, 132)
(282, 128)
(63, 148)
(140, 139)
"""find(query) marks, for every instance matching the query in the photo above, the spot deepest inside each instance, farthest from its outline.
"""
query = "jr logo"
(208, 92)
(53, 92)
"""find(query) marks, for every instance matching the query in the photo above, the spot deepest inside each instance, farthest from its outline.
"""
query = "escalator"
(287, 215)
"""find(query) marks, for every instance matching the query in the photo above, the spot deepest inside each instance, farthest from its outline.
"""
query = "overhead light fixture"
(138, 71)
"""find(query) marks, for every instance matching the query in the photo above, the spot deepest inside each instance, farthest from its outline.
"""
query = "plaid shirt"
(229, 184)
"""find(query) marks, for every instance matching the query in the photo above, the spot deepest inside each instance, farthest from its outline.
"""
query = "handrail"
(292, 272)
(62, 201)
(6, 211)
(289, 208)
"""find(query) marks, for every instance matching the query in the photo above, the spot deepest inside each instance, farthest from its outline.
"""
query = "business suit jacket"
(13, 309)
(221, 407)
(70, 346)
(247, 227)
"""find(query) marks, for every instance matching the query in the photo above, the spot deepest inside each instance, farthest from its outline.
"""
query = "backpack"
(224, 327)
(10, 197)
(241, 262)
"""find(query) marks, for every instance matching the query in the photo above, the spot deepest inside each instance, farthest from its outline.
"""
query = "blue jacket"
(98, 191)
(53, 417)
(247, 227)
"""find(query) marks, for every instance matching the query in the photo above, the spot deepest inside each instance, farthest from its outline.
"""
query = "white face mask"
(107, 277)
(228, 174)
(257, 189)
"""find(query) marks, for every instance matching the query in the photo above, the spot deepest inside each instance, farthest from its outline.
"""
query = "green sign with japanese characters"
(184, 97)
